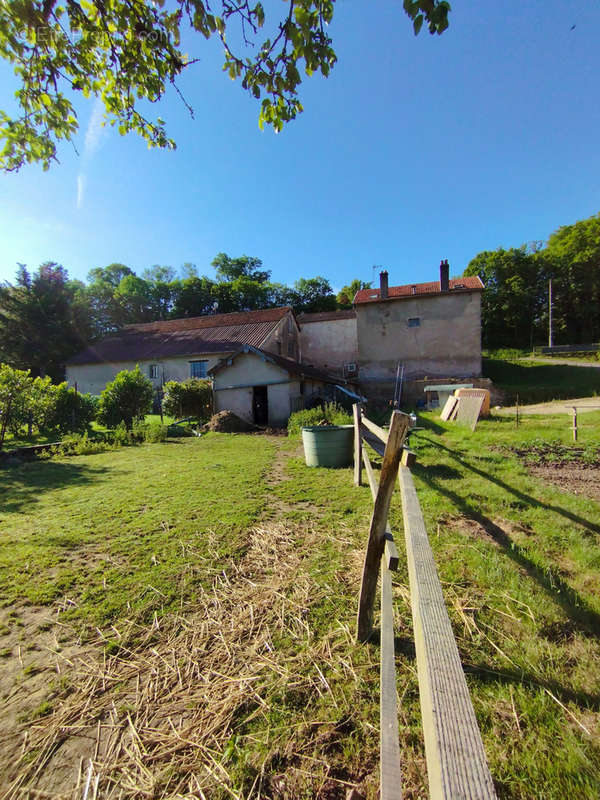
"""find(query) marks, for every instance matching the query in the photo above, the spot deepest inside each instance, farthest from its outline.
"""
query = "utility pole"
(550, 312)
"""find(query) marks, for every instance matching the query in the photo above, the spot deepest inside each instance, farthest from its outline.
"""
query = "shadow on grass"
(576, 606)
(21, 486)
(487, 674)
(539, 383)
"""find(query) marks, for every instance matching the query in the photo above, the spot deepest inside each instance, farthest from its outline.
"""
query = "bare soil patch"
(582, 404)
(577, 479)
(38, 652)
(572, 468)
(164, 717)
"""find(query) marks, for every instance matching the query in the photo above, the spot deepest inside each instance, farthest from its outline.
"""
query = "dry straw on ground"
(163, 718)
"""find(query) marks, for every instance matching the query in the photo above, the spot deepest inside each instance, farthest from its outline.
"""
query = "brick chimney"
(383, 285)
(444, 276)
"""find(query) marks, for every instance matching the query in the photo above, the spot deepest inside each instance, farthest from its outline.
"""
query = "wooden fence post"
(376, 541)
(356, 410)
(574, 424)
(389, 747)
(391, 556)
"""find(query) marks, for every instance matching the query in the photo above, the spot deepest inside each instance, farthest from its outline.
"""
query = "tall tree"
(44, 319)
(102, 286)
(313, 295)
(230, 269)
(194, 296)
(126, 52)
(135, 301)
(345, 297)
(572, 259)
(513, 301)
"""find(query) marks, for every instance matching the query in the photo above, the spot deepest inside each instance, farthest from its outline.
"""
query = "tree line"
(515, 303)
(46, 317)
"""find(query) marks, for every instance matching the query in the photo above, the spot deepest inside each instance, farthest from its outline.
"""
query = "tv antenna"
(375, 270)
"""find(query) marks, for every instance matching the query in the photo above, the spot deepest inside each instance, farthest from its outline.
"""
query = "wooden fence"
(456, 762)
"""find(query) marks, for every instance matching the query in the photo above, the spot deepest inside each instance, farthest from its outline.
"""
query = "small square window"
(414, 322)
(153, 371)
(198, 369)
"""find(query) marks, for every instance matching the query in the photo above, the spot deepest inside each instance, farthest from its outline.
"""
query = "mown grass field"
(182, 614)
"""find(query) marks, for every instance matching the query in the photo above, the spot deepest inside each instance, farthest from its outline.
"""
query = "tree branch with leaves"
(128, 52)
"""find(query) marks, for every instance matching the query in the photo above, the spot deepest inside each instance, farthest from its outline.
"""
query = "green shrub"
(190, 398)
(155, 432)
(82, 445)
(68, 410)
(120, 436)
(126, 399)
(16, 399)
(181, 431)
(330, 413)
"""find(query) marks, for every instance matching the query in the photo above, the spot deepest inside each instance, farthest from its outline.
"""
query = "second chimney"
(383, 285)
(444, 276)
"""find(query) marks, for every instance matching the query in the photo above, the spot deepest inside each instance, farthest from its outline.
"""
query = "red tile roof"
(468, 284)
(219, 333)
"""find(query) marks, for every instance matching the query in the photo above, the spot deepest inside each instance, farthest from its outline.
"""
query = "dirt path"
(582, 404)
(564, 362)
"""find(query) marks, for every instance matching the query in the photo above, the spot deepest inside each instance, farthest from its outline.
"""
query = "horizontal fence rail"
(590, 347)
(456, 761)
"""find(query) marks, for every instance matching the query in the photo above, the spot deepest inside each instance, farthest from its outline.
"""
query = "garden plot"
(572, 468)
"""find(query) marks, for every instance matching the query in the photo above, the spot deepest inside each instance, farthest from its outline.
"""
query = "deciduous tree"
(345, 297)
(127, 52)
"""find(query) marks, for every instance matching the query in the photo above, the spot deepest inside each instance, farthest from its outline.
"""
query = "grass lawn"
(178, 619)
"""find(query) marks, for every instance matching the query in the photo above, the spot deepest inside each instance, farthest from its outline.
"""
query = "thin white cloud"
(81, 181)
(95, 130)
(93, 138)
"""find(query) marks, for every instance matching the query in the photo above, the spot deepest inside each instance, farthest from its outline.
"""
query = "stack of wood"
(466, 406)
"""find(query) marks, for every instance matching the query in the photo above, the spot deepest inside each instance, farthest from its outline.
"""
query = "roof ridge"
(465, 283)
(210, 320)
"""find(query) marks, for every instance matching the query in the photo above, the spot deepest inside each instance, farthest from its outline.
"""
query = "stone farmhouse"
(254, 359)
(267, 364)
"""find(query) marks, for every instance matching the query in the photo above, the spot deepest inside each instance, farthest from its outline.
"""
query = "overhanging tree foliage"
(127, 52)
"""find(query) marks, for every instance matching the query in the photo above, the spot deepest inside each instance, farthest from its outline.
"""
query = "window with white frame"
(198, 369)
(153, 371)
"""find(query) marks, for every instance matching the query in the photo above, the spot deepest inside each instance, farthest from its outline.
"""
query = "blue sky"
(413, 150)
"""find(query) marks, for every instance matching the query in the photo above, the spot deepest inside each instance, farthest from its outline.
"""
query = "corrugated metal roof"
(467, 284)
(294, 367)
(221, 333)
(211, 321)
(326, 316)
